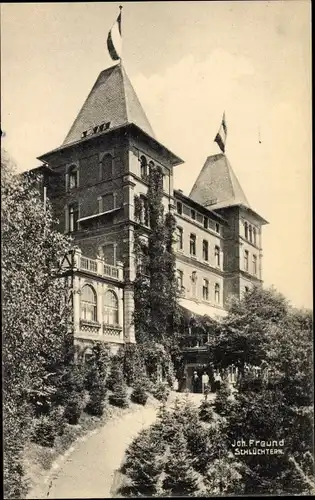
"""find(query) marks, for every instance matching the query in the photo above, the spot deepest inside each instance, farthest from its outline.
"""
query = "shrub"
(144, 464)
(97, 401)
(206, 411)
(222, 403)
(116, 374)
(139, 395)
(119, 397)
(160, 391)
(44, 431)
(73, 409)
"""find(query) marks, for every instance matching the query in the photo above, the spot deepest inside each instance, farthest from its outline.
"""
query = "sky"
(188, 62)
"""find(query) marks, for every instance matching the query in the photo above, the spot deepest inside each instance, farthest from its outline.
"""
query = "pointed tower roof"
(217, 185)
(112, 99)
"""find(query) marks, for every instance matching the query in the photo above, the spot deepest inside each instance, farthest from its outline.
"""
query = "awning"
(98, 215)
(203, 309)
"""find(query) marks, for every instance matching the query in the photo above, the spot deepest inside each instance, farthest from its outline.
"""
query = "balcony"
(98, 267)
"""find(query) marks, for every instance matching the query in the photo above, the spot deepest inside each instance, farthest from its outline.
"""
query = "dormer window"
(73, 177)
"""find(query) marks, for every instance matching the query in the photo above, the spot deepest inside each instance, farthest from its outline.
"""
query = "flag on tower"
(220, 138)
(114, 40)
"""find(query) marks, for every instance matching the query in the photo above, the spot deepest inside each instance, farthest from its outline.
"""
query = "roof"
(217, 185)
(111, 100)
(134, 129)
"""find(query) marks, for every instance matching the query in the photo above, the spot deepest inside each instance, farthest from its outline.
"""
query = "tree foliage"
(35, 313)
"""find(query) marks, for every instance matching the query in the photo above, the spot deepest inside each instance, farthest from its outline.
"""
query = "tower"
(102, 164)
(218, 188)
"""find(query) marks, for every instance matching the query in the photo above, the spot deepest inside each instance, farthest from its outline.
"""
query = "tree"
(155, 291)
(36, 312)
(144, 463)
(96, 376)
(180, 479)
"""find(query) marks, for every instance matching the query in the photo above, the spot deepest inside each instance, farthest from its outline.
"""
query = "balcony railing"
(88, 264)
(111, 271)
(98, 267)
(112, 330)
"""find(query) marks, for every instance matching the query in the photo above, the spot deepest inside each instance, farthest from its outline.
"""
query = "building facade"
(92, 180)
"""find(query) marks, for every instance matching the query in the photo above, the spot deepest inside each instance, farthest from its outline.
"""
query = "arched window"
(250, 233)
(246, 230)
(145, 214)
(143, 167)
(73, 177)
(217, 255)
(246, 260)
(217, 293)
(88, 303)
(111, 316)
(254, 236)
(107, 166)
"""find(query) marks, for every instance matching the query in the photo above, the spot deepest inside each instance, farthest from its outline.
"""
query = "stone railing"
(112, 330)
(89, 326)
(98, 266)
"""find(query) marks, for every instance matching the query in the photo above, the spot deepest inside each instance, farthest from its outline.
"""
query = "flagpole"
(120, 11)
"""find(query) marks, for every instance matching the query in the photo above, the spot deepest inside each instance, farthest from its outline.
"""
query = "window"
(111, 316)
(217, 227)
(179, 208)
(205, 222)
(88, 303)
(108, 202)
(217, 293)
(180, 238)
(205, 290)
(73, 217)
(73, 177)
(246, 289)
(144, 216)
(107, 167)
(246, 260)
(192, 244)
(254, 264)
(246, 230)
(193, 214)
(254, 236)
(217, 255)
(205, 250)
(250, 233)
(180, 279)
(143, 167)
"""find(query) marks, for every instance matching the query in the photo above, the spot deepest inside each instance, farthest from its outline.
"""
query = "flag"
(114, 40)
(220, 138)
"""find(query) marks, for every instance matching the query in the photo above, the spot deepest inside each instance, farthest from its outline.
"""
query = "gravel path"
(90, 469)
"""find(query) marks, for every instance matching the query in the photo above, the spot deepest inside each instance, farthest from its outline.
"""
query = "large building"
(92, 180)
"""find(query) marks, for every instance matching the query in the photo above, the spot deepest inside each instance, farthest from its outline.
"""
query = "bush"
(73, 409)
(160, 391)
(139, 395)
(222, 403)
(116, 374)
(44, 431)
(97, 401)
(119, 397)
(206, 411)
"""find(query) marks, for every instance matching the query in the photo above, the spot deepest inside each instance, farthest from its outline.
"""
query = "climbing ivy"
(156, 314)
